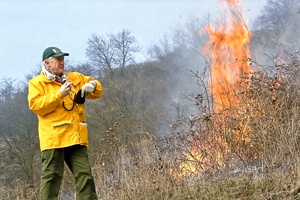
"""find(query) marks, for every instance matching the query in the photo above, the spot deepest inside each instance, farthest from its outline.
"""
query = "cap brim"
(60, 54)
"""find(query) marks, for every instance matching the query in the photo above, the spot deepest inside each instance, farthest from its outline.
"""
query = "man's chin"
(60, 72)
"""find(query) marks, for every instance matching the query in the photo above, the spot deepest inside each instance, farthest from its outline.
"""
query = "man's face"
(56, 65)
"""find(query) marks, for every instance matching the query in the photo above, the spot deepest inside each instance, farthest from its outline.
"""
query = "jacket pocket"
(60, 124)
(83, 132)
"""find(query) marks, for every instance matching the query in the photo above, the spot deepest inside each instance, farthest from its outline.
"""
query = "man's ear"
(46, 62)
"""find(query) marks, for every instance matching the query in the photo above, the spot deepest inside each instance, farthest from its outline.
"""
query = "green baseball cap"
(53, 52)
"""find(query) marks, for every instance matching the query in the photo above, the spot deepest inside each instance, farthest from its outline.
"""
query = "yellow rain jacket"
(60, 124)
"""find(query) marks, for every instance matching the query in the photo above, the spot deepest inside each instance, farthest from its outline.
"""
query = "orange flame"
(228, 49)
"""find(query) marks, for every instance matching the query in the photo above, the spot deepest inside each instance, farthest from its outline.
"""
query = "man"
(57, 97)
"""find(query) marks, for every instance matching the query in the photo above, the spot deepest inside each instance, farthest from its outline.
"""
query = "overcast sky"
(30, 26)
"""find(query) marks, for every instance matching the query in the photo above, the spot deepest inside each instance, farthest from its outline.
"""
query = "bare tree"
(84, 68)
(106, 53)
(19, 143)
(101, 53)
(160, 50)
(180, 37)
(7, 89)
(277, 28)
(125, 45)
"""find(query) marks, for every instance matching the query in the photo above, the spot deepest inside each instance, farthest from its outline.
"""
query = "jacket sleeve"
(39, 102)
(98, 90)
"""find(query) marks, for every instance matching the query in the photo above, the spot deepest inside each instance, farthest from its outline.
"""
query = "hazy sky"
(30, 26)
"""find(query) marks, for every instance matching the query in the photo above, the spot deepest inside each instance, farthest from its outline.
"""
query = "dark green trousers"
(76, 158)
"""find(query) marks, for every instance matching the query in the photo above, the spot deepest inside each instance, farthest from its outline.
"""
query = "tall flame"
(228, 49)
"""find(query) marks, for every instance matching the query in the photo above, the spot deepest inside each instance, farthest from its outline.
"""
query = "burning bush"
(262, 130)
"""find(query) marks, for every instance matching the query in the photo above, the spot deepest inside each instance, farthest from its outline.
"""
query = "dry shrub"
(262, 131)
(275, 113)
(19, 190)
(139, 172)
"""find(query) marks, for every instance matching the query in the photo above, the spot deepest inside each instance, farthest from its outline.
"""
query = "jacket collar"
(70, 77)
(44, 78)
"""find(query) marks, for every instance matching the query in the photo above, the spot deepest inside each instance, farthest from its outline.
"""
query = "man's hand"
(65, 89)
(88, 88)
